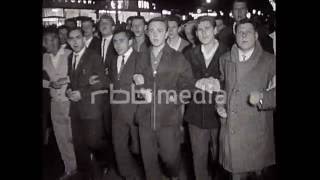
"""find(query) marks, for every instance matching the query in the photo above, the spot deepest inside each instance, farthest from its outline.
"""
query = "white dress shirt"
(88, 41)
(126, 57)
(104, 48)
(244, 56)
(208, 55)
(79, 55)
(55, 58)
(175, 46)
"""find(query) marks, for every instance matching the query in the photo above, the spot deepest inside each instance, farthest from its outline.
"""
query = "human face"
(205, 32)
(51, 43)
(172, 29)
(219, 25)
(138, 27)
(76, 40)
(121, 43)
(188, 31)
(87, 28)
(239, 11)
(63, 35)
(157, 31)
(246, 36)
(106, 27)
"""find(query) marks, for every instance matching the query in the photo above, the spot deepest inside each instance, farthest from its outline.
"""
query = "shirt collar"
(177, 45)
(127, 54)
(108, 38)
(247, 54)
(211, 53)
(89, 41)
(79, 54)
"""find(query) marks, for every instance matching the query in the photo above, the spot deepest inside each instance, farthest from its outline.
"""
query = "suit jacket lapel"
(215, 57)
(200, 58)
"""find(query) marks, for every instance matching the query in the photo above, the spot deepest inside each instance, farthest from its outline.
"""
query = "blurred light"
(221, 13)
(184, 17)
(210, 10)
(230, 14)
(254, 11)
(259, 12)
(79, 1)
(55, 10)
(120, 5)
(208, 1)
(84, 2)
(198, 11)
(113, 5)
(73, 1)
(248, 15)
(214, 13)
(89, 1)
(93, 2)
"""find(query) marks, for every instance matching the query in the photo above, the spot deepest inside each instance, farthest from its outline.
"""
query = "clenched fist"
(255, 97)
(138, 79)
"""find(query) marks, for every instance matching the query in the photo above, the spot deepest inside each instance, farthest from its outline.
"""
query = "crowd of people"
(131, 96)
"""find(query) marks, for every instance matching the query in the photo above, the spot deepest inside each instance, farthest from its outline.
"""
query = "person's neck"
(88, 37)
(208, 47)
(244, 51)
(157, 49)
(174, 40)
(55, 52)
(140, 39)
(106, 36)
(80, 50)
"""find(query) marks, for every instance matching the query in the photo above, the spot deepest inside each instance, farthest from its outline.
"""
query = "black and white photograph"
(159, 90)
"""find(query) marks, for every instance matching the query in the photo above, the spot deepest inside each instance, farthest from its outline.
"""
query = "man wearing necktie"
(124, 131)
(85, 110)
(107, 52)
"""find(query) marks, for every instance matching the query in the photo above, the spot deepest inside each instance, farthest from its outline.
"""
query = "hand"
(106, 71)
(55, 85)
(212, 85)
(93, 80)
(68, 93)
(147, 94)
(63, 81)
(255, 97)
(138, 79)
(222, 111)
(75, 96)
(201, 84)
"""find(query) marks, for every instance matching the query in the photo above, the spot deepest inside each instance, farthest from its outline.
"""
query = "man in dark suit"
(106, 26)
(86, 107)
(121, 73)
(138, 26)
(92, 43)
(202, 118)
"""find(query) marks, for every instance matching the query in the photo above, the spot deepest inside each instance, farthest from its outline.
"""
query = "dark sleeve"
(97, 69)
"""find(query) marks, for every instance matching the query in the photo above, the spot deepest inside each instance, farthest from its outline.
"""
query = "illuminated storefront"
(56, 11)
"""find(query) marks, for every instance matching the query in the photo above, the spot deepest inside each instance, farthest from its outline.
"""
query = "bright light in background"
(166, 12)
(184, 17)
(254, 11)
(248, 15)
(198, 11)
(221, 13)
(208, 1)
(113, 5)
(230, 14)
(259, 12)
(55, 10)
(210, 10)
(214, 13)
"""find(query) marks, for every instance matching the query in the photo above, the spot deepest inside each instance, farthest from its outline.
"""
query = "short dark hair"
(87, 19)
(206, 18)
(62, 27)
(159, 19)
(75, 29)
(175, 18)
(138, 17)
(128, 33)
(107, 17)
(240, 1)
(244, 21)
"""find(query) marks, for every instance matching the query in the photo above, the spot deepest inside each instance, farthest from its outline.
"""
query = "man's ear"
(256, 35)
(130, 42)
